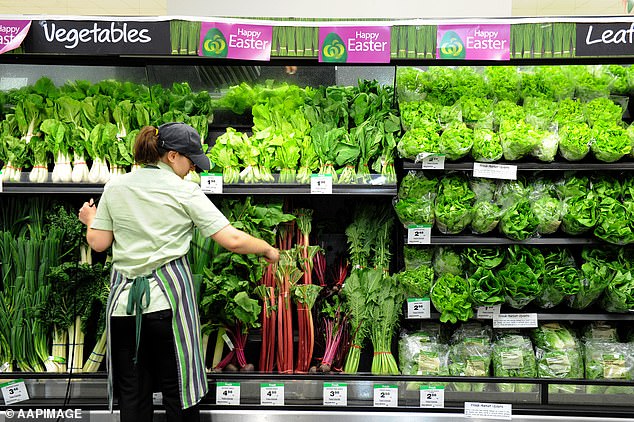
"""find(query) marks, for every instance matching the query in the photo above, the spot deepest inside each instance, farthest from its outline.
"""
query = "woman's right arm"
(240, 242)
(98, 240)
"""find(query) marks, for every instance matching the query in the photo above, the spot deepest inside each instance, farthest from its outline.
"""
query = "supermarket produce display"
(339, 313)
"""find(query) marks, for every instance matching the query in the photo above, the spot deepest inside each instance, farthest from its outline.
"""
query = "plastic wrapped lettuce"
(606, 187)
(608, 360)
(596, 274)
(603, 110)
(487, 146)
(416, 199)
(601, 331)
(574, 140)
(415, 256)
(519, 139)
(486, 216)
(540, 111)
(504, 82)
(548, 210)
(614, 222)
(485, 288)
(456, 140)
(450, 296)
(610, 142)
(454, 204)
(507, 111)
(448, 260)
(630, 134)
(619, 293)
(561, 278)
(513, 356)
(412, 83)
(518, 221)
(580, 214)
(559, 355)
(417, 281)
(470, 355)
(476, 109)
(521, 275)
(547, 145)
(569, 111)
(417, 113)
(421, 139)
(487, 258)
(422, 353)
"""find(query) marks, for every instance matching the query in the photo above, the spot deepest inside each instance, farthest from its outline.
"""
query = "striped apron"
(175, 280)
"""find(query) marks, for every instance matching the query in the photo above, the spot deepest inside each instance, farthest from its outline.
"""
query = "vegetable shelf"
(467, 240)
(534, 166)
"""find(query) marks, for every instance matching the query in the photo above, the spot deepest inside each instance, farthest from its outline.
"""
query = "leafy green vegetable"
(609, 142)
(513, 356)
(603, 110)
(574, 141)
(518, 221)
(561, 278)
(596, 274)
(421, 139)
(619, 293)
(447, 260)
(486, 288)
(488, 258)
(518, 139)
(521, 284)
(456, 141)
(613, 224)
(450, 296)
(415, 256)
(607, 360)
(454, 202)
(421, 353)
(558, 354)
(549, 211)
(487, 146)
(486, 216)
(417, 281)
(580, 214)
(470, 355)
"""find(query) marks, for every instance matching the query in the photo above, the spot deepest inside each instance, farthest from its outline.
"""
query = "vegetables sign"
(235, 41)
(354, 44)
(12, 34)
(473, 42)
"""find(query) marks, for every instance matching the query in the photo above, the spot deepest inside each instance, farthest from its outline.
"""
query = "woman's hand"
(272, 255)
(87, 212)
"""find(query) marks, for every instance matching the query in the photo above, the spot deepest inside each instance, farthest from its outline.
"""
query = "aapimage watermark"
(45, 414)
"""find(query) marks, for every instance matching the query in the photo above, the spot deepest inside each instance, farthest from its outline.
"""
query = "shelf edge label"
(488, 411)
(527, 320)
(495, 171)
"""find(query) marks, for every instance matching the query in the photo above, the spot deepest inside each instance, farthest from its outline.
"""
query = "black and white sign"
(385, 396)
(211, 182)
(488, 411)
(605, 39)
(527, 320)
(98, 37)
(272, 394)
(335, 394)
(432, 397)
(228, 393)
(14, 392)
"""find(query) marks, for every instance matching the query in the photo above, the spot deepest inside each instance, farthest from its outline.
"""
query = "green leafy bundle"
(561, 278)
(456, 141)
(453, 204)
(450, 296)
(596, 273)
(513, 356)
(559, 355)
(574, 140)
(470, 355)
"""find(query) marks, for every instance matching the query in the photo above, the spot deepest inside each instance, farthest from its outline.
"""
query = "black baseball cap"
(183, 138)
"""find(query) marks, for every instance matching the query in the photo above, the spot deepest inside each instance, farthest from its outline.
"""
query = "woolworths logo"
(451, 46)
(334, 50)
(215, 44)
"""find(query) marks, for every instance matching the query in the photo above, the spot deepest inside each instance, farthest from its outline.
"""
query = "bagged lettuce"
(513, 356)
(608, 360)
(454, 204)
(450, 296)
(487, 146)
(470, 355)
(574, 140)
(456, 141)
(561, 278)
(610, 142)
(559, 355)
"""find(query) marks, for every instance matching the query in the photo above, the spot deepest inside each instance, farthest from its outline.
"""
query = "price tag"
(495, 171)
(227, 340)
(419, 235)
(385, 395)
(7, 84)
(272, 394)
(14, 391)
(430, 161)
(228, 393)
(488, 411)
(157, 398)
(321, 184)
(335, 394)
(528, 320)
(211, 182)
(488, 312)
(418, 308)
(432, 397)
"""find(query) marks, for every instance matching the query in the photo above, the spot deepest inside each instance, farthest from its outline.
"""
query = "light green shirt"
(152, 213)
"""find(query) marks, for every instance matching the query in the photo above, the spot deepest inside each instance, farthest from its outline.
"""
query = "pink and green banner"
(235, 41)
(354, 44)
(12, 33)
(473, 42)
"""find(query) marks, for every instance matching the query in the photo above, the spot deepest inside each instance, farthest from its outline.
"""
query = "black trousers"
(156, 369)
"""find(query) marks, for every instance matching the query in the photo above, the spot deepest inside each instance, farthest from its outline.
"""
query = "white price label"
(211, 182)
(432, 397)
(14, 392)
(335, 394)
(321, 184)
(227, 340)
(430, 161)
(488, 312)
(228, 393)
(419, 235)
(157, 398)
(272, 394)
(528, 320)
(488, 411)
(418, 308)
(7, 84)
(495, 171)
(385, 396)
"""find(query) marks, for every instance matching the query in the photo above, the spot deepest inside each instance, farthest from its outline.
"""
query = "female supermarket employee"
(148, 217)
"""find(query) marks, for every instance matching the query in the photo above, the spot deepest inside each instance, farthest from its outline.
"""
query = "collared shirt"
(152, 212)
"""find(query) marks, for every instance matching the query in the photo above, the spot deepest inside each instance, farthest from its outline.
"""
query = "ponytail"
(146, 149)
